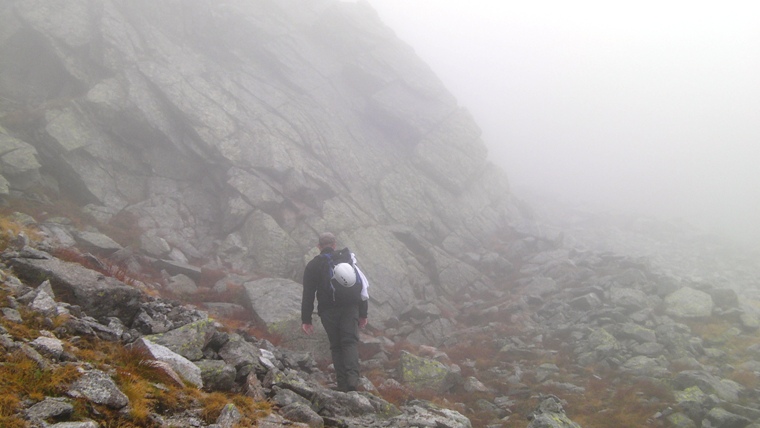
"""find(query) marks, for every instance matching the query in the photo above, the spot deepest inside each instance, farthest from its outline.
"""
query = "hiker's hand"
(308, 328)
(362, 322)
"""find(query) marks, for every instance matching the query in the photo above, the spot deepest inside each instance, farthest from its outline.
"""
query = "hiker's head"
(327, 239)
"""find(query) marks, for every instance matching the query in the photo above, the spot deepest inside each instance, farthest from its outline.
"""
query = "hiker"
(341, 304)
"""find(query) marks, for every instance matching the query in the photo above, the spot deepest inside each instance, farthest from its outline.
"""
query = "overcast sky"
(645, 106)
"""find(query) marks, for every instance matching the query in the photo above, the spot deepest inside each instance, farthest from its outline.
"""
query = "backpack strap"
(328, 261)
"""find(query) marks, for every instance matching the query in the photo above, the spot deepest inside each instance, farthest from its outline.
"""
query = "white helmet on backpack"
(344, 274)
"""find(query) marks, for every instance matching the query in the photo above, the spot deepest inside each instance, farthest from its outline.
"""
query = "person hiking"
(342, 303)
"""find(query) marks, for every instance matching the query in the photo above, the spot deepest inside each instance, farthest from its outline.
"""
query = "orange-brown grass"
(251, 410)
(22, 378)
(480, 348)
(710, 329)
(745, 378)
(735, 346)
(607, 403)
(58, 206)
(151, 391)
(141, 394)
(33, 323)
(10, 229)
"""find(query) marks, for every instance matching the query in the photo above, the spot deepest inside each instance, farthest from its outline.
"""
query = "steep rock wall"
(236, 131)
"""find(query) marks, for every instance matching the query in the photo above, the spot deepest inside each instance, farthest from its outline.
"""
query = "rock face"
(689, 303)
(236, 131)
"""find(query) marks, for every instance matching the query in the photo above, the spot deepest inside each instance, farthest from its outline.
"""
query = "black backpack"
(338, 292)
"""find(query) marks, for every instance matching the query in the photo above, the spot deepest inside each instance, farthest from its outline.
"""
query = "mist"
(648, 108)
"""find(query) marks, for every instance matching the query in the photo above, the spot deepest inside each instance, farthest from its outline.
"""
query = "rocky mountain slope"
(175, 162)
(234, 132)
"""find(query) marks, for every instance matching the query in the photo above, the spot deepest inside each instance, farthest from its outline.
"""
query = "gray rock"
(648, 349)
(273, 251)
(638, 333)
(283, 397)
(229, 417)
(641, 365)
(217, 375)
(724, 298)
(435, 332)
(688, 303)
(99, 296)
(18, 162)
(188, 340)
(48, 346)
(181, 284)
(274, 420)
(544, 371)
(184, 367)
(454, 146)
(720, 418)
(340, 404)
(86, 424)
(749, 322)
(239, 353)
(420, 413)
(12, 315)
(99, 388)
(299, 412)
(275, 301)
(44, 303)
(154, 245)
(550, 414)
(472, 384)
(95, 241)
(724, 388)
(178, 268)
(586, 302)
(680, 420)
(631, 299)
(422, 373)
(49, 408)
(291, 379)
(59, 233)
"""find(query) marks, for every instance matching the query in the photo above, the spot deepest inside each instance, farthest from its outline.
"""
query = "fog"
(644, 107)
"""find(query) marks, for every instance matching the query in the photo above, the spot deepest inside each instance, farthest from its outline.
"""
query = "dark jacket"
(312, 286)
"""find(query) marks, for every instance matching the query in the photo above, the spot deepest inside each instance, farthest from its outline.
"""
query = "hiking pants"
(342, 327)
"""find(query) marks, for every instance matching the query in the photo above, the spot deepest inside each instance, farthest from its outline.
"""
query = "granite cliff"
(233, 132)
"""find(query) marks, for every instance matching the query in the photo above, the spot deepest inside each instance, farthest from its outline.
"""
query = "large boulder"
(688, 303)
(425, 374)
(18, 163)
(188, 340)
(275, 301)
(181, 365)
(98, 387)
(98, 295)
